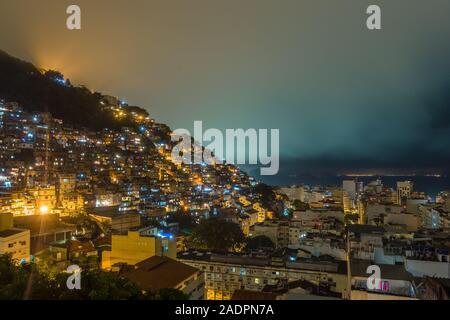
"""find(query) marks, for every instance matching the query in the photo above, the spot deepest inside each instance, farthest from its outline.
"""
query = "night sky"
(345, 99)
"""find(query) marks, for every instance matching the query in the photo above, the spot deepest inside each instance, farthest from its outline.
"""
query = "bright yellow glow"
(43, 209)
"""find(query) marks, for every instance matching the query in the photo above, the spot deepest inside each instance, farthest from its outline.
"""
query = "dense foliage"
(28, 282)
(300, 206)
(217, 234)
(269, 200)
(259, 242)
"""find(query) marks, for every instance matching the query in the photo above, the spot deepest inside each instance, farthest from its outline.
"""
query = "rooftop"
(10, 232)
(253, 295)
(365, 228)
(112, 212)
(388, 271)
(274, 259)
(42, 224)
(157, 273)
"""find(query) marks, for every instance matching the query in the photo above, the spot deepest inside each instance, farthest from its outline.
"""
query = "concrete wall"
(20, 245)
(420, 268)
(133, 249)
(411, 221)
(317, 214)
(364, 295)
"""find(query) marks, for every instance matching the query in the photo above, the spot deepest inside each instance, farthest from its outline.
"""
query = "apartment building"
(226, 273)
(135, 246)
(14, 241)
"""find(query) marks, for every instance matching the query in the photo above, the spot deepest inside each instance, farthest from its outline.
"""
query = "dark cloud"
(439, 108)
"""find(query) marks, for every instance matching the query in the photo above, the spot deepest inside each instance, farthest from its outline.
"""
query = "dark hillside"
(22, 82)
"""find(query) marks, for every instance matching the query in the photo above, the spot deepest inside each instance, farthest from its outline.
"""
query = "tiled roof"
(157, 273)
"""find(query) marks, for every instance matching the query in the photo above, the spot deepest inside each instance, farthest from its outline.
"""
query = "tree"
(352, 218)
(101, 285)
(300, 206)
(269, 200)
(26, 281)
(259, 242)
(217, 234)
(184, 220)
(266, 194)
(19, 281)
(169, 294)
(54, 75)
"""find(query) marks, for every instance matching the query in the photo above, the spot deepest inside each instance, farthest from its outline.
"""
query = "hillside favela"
(88, 185)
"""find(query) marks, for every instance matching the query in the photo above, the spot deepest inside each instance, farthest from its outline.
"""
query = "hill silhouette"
(35, 91)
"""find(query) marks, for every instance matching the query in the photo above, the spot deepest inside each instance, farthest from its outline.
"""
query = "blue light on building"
(165, 235)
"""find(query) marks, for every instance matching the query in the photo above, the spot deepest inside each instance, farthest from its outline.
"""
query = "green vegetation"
(351, 218)
(259, 242)
(300, 206)
(266, 194)
(217, 234)
(169, 294)
(269, 200)
(184, 220)
(28, 282)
